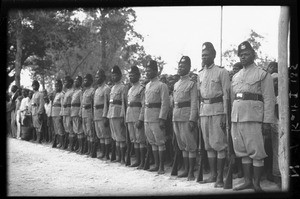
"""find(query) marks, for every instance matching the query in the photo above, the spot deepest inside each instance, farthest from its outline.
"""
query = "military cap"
(152, 64)
(116, 70)
(185, 60)
(245, 45)
(209, 47)
(134, 70)
(88, 77)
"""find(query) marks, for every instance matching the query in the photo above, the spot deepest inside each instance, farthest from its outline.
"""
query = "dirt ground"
(39, 170)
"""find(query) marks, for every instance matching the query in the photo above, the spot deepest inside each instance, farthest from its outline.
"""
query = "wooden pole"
(283, 93)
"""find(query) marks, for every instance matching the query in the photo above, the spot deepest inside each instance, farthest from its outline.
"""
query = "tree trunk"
(283, 102)
(19, 41)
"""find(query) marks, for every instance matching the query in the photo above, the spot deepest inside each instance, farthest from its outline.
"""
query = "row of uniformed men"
(144, 111)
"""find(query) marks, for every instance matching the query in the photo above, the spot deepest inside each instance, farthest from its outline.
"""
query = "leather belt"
(56, 105)
(153, 105)
(248, 96)
(76, 105)
(182, 104)
(119, 102)
(134, 104)
(66, 105)
(212, 100)
(86, 106)
(99, 106)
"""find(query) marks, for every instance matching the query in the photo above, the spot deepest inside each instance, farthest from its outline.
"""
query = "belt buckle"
(206, 101)
(239, 95)
(111, 100)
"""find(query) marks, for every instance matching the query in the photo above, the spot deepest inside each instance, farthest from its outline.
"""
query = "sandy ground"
(39, 170)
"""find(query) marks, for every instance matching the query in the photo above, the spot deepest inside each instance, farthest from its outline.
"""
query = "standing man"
(48, 110)
(66, 113)
(116, 113)
(37, 109)
(135, 117)
(214, 85)
(87, 114)
(252, 113)
(56, 115)
(157, 104)
(101, 99)
(76, 113)
(185, 116)
(15, 94)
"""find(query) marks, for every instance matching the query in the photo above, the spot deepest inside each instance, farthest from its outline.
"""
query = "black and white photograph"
(132, 100)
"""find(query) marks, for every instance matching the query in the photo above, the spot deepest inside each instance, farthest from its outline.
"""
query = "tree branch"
(81, 63)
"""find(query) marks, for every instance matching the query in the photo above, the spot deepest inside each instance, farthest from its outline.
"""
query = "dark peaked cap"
(245, 45)
(116, 70)
(152, 64)
(135, 70)
(209, 47)
(186, 60)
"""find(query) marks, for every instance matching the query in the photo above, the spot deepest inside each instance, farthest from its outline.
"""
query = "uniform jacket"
(67, 101)
(57, 104)
(156, 92)
(76, 99)
(213, 81)
(118, 92)
(185, 90)
(253, 79)
(38, 100)
(135, 94)
(87, 99)
(101, 96)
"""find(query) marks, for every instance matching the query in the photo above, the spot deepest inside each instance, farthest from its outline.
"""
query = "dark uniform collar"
(185, 77)
(136, 83)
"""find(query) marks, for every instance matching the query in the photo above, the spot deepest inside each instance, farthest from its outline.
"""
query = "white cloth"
(24, 104)
(48, 108)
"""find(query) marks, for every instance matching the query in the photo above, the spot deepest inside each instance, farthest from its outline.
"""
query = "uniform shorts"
(37, 124)
(58, 125)
(136, 135)
(118, 131)
(155, 135)
(214, 136)
(102, 131)
(88, 129)
(248, 140)
(77, 125)
(67, 121)
(186, 139)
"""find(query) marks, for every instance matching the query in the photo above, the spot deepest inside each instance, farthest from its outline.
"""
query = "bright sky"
(171, 32)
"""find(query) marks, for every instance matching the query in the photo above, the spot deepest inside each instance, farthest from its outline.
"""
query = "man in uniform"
(37, 109)
(66, 113)
(116, 113)
(135, 117)
(252, 113)
(56, 115)
(87, 115)
(101, 99)
(157, 104)
(76, 113)
(185, 116)
(213, 85)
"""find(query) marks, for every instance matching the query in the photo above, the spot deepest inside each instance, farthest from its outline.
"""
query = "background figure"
(23, 111)
(48, 111)
(18, 118)
(8, 114)
(235, 68)
(15, 95)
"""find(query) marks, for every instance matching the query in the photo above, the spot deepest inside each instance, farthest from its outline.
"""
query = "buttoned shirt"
(57, 104)
(185, 91)
(255, 80)
(156, 92)
(101, 98)
(66, 104)
(117, 93)
(213, 81)
(37, 103)
(76, 100)
(87, 100)
(135, 95)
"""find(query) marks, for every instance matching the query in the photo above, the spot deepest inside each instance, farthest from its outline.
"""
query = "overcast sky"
(171, 32)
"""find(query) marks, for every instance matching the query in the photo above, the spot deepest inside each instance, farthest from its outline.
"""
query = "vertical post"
(283, 89)
(221, 36)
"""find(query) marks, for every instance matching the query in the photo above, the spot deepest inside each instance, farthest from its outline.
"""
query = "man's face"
(58, 87)
(24, 93)
(246, 57)
(86, 82)
(77, 82)
(207, 58)
(133, 77)
(183, 69)
(99, 78)
(30, 94)
(34, 87)
(115, 77)
(150, 73)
